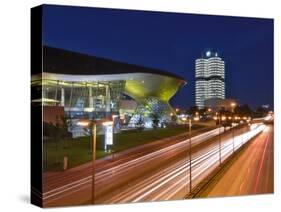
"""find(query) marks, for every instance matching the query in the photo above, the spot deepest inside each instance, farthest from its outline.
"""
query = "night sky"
(172, 42)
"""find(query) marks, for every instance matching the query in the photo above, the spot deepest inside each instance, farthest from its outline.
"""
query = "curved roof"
(62, 61)
(141, 82)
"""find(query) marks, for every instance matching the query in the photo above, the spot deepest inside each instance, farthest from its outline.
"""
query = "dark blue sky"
(171, 41)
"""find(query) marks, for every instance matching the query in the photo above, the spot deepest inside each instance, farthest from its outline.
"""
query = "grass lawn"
(79, 151)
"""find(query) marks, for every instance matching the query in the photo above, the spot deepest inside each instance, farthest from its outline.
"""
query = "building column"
(107, 98)
(91, 101)
(44, 95)
(62, 97)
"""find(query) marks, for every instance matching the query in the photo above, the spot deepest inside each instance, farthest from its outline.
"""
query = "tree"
(140, 122)
(261, 112)
(157, 109)
(63, 127)
(243, 110)
(58, 132)
(202, 111)
(192, 110)
(223, 111)
(155, 118)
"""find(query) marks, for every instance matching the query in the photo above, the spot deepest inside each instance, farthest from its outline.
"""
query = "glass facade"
(76, 99)
(81, 99)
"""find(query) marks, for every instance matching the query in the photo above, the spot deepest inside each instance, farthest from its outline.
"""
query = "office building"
(210, 78)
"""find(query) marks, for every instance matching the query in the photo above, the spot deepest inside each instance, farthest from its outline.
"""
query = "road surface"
(252, 172)
(159, 175)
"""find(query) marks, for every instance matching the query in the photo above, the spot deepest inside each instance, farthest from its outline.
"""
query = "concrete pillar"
(62, 97)
(91, 100)
(44, 95)
(107, 98)
(70, 98)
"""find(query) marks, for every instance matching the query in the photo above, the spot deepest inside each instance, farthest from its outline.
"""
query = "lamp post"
(190, 171)
(196, 118)
(209, 111)
(232, 130)
(219, 119)
(113, 123)
(233, 105)
(220, 139)
(222, 118)
(94, 141)
(93, 125)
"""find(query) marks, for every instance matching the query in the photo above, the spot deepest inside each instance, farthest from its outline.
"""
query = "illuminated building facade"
(92, 88)
(210, 78)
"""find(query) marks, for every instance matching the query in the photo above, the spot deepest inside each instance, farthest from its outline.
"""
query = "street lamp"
(232, 128)
(113, 125)
(196, 118)
(219, 119)
(93, 125)
(94, 142)
(233, 105)
(189, 134)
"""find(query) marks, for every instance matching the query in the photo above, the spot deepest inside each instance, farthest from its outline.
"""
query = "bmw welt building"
(93, 88)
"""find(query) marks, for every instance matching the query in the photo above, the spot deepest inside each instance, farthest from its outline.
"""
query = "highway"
(62, 186)
(173, 182)
(159, 175)
(252, 172)
(52, 180)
